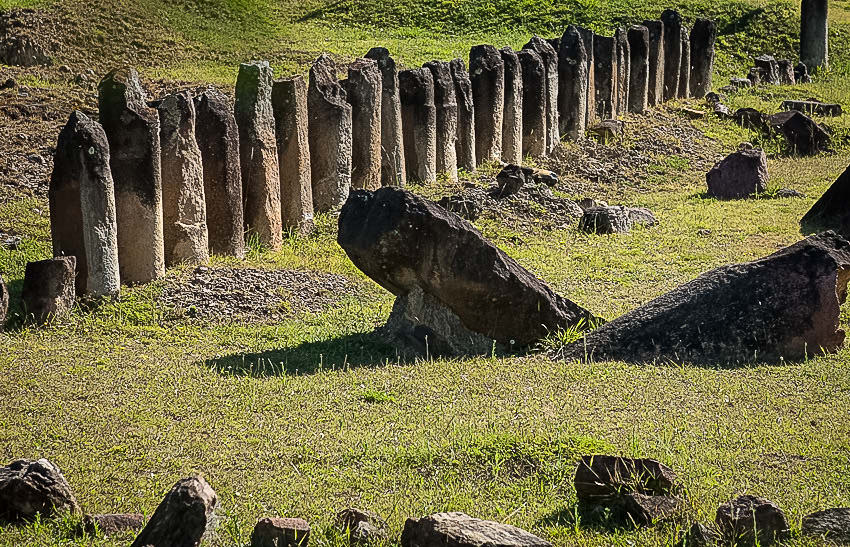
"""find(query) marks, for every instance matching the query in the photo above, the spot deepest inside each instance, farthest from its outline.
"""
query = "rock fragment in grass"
(362, 527)
(813, 107)
(183, 517)
(280, 532)
(600, 478)
(30, 488)
(831, 525)
(830, 212)
(113, 524)
(740, 174)
(48, 292)
(461, 530)
(643, 510)
(751, 520)
(699, 535)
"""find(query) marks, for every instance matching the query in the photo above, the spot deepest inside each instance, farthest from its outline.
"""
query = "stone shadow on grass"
(588, 517)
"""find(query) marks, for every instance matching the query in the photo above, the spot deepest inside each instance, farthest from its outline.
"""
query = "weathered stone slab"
(832, 525)
(446, 108)
(600, 478)
(783, 306)
(289, 103)
(656, 61)
(685, 66)
(258, 153)
(587, 39)
(184, 211)
(830, 212)
(465, 146)
(82, 206)
(814, 34)
(48, 291)
(30, 488)
(403, 241)
(672, 52)
(770, 67)
(638, 36)
(182, 518)
(813, 107)
(606, 72)
(749, 520)
(803, 135)
(461, 530)
(643, 510)
(512, 120)
(280, 532)
(487, 72)
(621, 39)
(364, 93)
(533, 104)
(703, 36)
(419, 123)
(134, 159)
(550, 67)
(392, 144)
(572, 84)
(218, 140)
(786, 72)
(329, 120)
(740, 174)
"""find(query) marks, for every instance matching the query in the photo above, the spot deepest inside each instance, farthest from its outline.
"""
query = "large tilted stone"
(289, 102)
(461, 530)
(329, 116)
(182, 518)
(533, 104)
(638, 69)
(738, 175)
(487, 72)
(550, 66)
(833, 525)
(446, 109)
(403, 241)
(621, 39)
(599, 478)
(590, 110)
(419, 123)
(606, 72)
(814, 34)
(672, 52)
(184, 210)
(364, 95)
(830, 212)
(392, 144)
(750, 520)
(656, 62)
(48, 291)
(572, 84)
(82, 206)
(134, 158)
(703, 36)
(783, 306)
(685, 65)
(465, 146)
(218, 140)
(803, 135)
(512, 120)
(258, 153)
(30, 488)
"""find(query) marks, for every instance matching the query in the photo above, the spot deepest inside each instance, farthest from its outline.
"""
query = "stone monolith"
(814, 34)
(446, 111)
(363, 91)
(392, 144)
(550, 66)
(572, 84)
(638, 69)
(512, 120)
(465, 145)
(703, 36)
(672, 52)
(656, 62)
(487, 72)
(419, 123)
(533, 103)
(685, 66)
(605, 59)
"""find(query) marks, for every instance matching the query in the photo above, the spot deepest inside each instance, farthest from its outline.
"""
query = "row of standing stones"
(630, 491)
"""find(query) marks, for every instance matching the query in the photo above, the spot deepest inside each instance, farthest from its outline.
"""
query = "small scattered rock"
(462, 205)
(699, 535)
(748, 520)
(10, 83)
(30, 488)
(789, 193)
(601, 478)
(605, 220)
(48, 291)
(739, 175)
(693, 113)
(510, 180)
(645, 510)
(713, 98)
(113, 524)
(606, 131)
(362, 527)
(461, 530)
(280, 532)
(741, 83)
(590, 203)
(750, 118)
(833, 525)
(721, 111)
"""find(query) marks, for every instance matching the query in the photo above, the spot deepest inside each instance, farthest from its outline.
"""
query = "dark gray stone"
(638, 69)
(512, 120)
(30, 488)
(183, 517)
(832, 525)
(699, 535)
(587, 39)
(750, 520)
(814, 34)
(392, 143)
(550, 67)
(757, 76)
(770, 67)
(601, 478)
(465, 146)
(487, 72)
(461, 530)
(685, 66)
(830, 212)
(419, 123)
(621, 39)
(803, 135)
(572, 85)
(740, 174)
(280, 532)
(364, 93)
(113, 524)
(786, 72)
(605, 61)
(48, 291)
(801, 74)
(643, 510)
(446, 109)
(813, 107)
(362, 527)
(672, 52)
(656, 62)
(703, 37)
(533, 104)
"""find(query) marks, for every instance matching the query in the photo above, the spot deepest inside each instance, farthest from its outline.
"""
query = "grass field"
(309, 415)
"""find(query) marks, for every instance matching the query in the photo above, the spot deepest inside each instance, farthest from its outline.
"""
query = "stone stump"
(605, 59)
(656, 62)
(590, 109)
(487, 73)
(550, 66)
(82, 207)
(364, 95)
(184, 210)
(392, 145)
(48, 291)
(769, 67)
(183, 517)
(280, 532)
(330, 117)
(461, 530)
(289, 103)
(258, 153)
(672, 52)
(814, 34)
(786, 72)
(685, 66)
(572, 84)
(533, 104)
(739, 175)
(703, 36)
(621, 39)
(419, 123)
(132, 130)
(218, 140)
(749, 520)
(446, 110)
(512, 120)
(638, 69)
(465, 144)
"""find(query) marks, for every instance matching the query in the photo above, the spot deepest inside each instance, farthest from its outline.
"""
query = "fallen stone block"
(513, 177)
(750, 520)
(606, 131)
(813, 107)
(183, 517)
(602, 478)
(741, 82)
(461, 530)
(803, 135)
(30, 488)
(643, 510)
(113, 524)
(830, 212)
(831, 525)
(280, 532)
(48, 292)
(740, 174)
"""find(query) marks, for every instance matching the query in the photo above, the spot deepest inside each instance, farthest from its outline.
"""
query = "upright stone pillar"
(590, 110)
(446, 110)
(672, 52)
(572, 84)
(814, 34)
(623, 69)
(685, 67)
(512, 121)
(258, 153)
(289, 103)
(786, 72)
(218, 140)
(82, 206)
(487, 72)
(419, 123)
(465, 144)
(364, 96)
(134, 158)
(656, 62)
(329, 116)
(605, 58)
(638, 68)
(184, 210)
(703, 36)
(533, 103)
(392, 145)
(550, 65)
